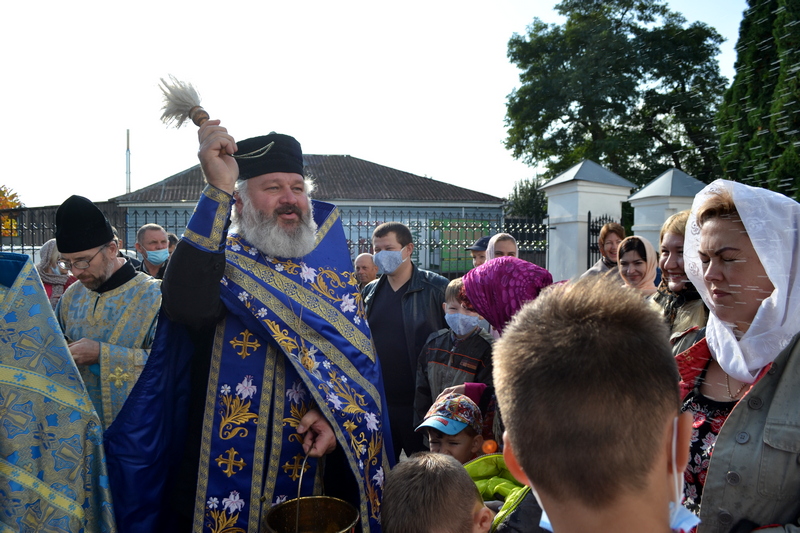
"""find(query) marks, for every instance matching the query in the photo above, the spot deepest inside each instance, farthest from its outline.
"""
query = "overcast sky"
(417, 86)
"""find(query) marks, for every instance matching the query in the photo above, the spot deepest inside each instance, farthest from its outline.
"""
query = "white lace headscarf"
(772, 222)
(494, 239)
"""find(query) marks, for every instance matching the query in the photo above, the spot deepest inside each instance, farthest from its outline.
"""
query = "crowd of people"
(253, 361)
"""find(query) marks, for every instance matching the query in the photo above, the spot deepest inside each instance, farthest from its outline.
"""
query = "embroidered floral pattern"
(372, 421)
(378, 477)
(308, 274)
(232, 503)
(360, 425)
(235, 411)
(297, 410)
(220, 522)
(246, 389)
(348, 304)
(297, 393)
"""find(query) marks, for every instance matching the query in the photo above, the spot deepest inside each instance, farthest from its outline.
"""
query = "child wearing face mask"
(452, 356)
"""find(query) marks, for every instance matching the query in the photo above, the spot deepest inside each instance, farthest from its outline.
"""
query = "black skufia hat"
(255, 159)
(80, 226)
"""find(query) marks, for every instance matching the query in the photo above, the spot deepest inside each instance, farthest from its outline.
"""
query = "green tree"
(759, 119)
(526, 200)
(625, 83)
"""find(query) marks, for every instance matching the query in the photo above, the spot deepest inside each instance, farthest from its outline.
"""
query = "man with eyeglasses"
(109, 318)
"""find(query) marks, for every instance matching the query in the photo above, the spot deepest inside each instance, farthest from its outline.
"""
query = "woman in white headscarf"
(741, 382)
(501, 245)
(55, 279)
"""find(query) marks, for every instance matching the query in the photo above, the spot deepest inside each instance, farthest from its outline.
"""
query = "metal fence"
(440, 237)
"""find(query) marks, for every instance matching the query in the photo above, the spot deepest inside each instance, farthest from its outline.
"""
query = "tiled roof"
(185, 186)
(337, 177)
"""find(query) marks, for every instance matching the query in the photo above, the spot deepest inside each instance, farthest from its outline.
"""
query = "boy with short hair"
(453, 425)
(432, 493)
(453, 356)
(588, 389)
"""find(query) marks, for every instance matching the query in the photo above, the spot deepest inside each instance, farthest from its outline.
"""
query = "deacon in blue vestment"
(283, 362)
(109, 317)
(52, 465)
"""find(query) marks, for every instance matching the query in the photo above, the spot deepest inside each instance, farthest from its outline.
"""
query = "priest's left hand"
(319, 438)
(85, 351)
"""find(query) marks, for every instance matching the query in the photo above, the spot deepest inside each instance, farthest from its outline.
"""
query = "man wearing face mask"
(152, 243)
(403, 308)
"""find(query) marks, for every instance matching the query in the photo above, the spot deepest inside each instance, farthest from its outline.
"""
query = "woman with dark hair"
(740, 382)
(637, 264)
(684, 310)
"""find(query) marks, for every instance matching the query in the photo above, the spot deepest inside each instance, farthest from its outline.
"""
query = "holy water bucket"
(318, 514)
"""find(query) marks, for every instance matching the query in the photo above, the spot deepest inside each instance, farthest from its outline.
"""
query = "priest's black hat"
(80, 226)
(255, 159)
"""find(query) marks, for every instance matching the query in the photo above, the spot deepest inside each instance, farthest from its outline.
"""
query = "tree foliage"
(759, 119)
(527, 200)
(8, 200)
(625, 83)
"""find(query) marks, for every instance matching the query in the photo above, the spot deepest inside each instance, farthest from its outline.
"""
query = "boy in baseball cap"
(454, 425)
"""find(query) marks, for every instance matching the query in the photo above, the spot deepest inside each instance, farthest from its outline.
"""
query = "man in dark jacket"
(403, 307)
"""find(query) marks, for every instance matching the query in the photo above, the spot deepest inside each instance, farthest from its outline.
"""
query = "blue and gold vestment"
(294, 338)
(52, 463)
(123, 320)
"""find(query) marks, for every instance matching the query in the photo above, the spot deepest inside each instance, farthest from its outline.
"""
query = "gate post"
(672, 191)
(570, 196)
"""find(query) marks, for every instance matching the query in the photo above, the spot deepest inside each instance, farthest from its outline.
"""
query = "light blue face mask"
(388, 261)
(461, 324)
(680, 518)
(157, 257)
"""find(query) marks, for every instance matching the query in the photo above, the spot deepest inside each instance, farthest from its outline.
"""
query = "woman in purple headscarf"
(499, 288)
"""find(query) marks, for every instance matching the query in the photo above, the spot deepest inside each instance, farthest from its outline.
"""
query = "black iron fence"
(440, 237)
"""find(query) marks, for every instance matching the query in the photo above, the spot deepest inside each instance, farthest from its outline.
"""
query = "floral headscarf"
(772, 222)
(647, 285)
(499, 288)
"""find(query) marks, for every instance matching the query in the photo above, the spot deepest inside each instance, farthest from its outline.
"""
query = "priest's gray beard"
(265, 232)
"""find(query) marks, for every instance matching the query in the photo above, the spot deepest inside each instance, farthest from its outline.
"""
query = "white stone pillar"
(650, 213)
(568, 206)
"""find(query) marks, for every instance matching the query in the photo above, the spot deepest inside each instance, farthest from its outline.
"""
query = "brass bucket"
(318, 514)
